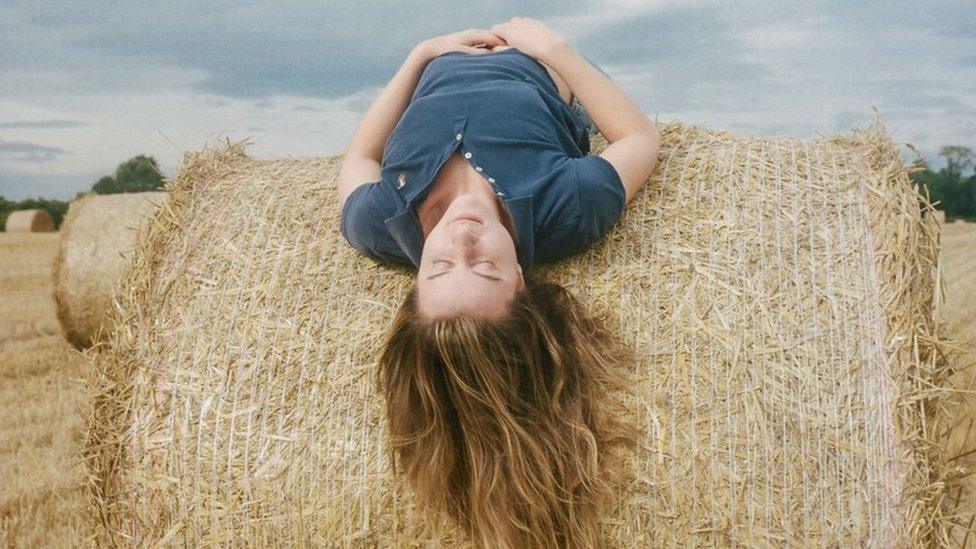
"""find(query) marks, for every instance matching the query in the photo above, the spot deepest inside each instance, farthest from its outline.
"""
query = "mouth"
(468, 217)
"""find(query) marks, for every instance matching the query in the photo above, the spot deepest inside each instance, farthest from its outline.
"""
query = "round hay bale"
(29, 221)
(777, 292)
(96, 240)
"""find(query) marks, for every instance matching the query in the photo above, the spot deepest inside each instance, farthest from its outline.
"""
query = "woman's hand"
(528, 35)
(461, 41)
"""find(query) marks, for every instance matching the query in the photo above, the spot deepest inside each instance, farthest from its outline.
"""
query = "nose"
(463, 235)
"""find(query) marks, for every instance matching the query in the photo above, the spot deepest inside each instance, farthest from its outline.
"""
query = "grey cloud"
(306, 48)
(212, 102)
(948, 17)
(846, 120)
(358, 104)
(43, 124)
(689, 54)
(255, 50)
(912, 94)
(29, 152)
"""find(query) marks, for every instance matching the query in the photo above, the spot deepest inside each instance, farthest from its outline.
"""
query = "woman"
(472, 166)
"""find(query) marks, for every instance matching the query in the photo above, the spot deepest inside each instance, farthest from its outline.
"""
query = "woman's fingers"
(483, 36)
(474, 51)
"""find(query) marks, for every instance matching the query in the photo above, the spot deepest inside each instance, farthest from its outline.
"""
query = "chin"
(469, 204)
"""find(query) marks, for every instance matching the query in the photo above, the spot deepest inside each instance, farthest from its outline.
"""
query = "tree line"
(138, 174)
(950, 189)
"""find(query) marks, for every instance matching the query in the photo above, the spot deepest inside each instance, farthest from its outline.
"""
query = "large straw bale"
(778, 293)
(29, 221)
(97, 237)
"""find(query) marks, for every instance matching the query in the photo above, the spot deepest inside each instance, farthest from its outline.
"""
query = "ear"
(521, 279)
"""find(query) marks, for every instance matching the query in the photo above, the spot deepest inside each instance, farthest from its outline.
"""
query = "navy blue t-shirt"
(504, 113)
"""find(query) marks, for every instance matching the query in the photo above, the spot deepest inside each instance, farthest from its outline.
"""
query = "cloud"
(42, 124)
(19, 185)
(676, 58)
(298, 47)
(29, 152)
(165, 78)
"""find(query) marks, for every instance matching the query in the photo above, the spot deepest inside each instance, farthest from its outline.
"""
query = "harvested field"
(959, 249)
(959, 268)
(40, 397)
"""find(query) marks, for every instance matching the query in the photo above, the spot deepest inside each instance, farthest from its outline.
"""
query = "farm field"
(959, 268)
(42, 398)
(959, 275)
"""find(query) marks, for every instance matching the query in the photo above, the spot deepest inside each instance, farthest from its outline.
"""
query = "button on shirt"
(503, 112)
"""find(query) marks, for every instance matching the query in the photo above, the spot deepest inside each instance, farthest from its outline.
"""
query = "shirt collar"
(409, 235)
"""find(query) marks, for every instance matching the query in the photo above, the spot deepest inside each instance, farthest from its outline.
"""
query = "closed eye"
(447, 270)
(449, 264)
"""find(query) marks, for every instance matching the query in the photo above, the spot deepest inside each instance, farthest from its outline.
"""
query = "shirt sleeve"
(362, 225)
(601, 195)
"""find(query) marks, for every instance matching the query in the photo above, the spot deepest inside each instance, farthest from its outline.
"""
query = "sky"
(86, 85)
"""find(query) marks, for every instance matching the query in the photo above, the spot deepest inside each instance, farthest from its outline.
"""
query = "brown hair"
(505, 426)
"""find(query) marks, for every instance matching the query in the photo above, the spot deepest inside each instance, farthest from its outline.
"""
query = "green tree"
(6, 206)
(948, 188)
(138, 174)
(957, 159)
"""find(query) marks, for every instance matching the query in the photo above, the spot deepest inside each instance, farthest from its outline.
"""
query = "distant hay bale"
(29, 221)
(939, 215)
(778, 293)
(96, 240)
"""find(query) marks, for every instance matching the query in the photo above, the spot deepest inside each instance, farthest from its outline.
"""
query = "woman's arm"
(634, 139)
(361, 163)
(615, 114)
(383, 115)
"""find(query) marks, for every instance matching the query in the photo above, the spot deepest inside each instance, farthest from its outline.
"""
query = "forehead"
(462, 293)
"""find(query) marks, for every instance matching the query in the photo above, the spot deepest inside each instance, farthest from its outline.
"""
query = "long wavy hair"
(508, 427)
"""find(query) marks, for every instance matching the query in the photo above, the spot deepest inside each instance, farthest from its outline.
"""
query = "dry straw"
(29, 221)
(96, 239)
(778, 293)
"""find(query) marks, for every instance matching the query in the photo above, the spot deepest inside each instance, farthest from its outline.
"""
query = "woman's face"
(469, 263)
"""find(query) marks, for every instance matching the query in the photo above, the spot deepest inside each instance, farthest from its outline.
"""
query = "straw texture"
(29, 221)
(96, 240)
(777, 292)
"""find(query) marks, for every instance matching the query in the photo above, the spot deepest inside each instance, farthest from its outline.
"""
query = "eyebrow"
(489, 277)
